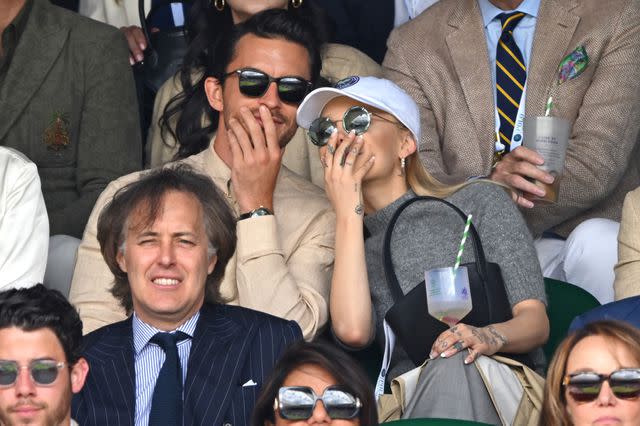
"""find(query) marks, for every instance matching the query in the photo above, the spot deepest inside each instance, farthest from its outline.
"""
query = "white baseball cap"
(377, 92)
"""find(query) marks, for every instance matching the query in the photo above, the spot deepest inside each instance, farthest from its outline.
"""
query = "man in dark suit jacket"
(167, 238)
(67, 101)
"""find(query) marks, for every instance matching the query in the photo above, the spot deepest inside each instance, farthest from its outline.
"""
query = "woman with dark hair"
(183, 122)
(594, 377)
(308, 373)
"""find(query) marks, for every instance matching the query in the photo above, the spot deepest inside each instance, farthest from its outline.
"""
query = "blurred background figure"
(594, 377)
(314, 383)
(24, 226)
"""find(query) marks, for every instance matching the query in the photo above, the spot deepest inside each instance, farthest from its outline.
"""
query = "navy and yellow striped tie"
(511, 75)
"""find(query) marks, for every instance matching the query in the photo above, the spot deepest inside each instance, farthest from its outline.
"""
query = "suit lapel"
(467, 46)
(218, 353)
(31, 63)
(554, 31)
(112, 378)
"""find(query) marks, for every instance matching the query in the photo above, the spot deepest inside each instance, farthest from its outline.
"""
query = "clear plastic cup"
(448, 294)
(548, 136)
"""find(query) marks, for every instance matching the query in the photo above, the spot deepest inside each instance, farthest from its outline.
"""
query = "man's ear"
(212, 263)
(79, 374)
(120, 259)
(213, 90)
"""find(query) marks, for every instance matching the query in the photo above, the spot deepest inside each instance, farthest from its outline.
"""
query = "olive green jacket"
(68, 103)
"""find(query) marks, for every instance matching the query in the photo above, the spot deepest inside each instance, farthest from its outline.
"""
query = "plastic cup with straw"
(448, 292)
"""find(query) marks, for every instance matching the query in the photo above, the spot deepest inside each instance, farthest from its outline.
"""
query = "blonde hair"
(554, 412)
(423, 183)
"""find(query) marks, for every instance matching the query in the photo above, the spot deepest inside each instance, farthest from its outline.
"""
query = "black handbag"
(409, 317)
(165, 49)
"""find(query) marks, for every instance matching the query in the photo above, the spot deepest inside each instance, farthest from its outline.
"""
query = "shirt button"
(227, 424)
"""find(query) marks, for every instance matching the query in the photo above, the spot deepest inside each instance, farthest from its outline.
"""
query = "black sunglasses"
(43, 371)
(356, 118)
(585, 386)
(255, 83)
(298, 402)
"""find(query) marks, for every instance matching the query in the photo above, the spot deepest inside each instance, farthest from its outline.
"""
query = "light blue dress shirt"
(523, 35)
(149, 358)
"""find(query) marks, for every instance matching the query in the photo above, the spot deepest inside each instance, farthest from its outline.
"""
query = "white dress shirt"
(149, 358)
(24, 225)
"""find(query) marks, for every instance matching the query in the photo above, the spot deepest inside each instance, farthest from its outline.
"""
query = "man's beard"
(53, 416)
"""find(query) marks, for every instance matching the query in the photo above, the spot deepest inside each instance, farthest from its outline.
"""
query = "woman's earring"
(296, 3)
(403, 163)
(218, 4)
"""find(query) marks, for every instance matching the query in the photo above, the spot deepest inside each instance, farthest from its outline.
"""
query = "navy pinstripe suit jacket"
(231, 345)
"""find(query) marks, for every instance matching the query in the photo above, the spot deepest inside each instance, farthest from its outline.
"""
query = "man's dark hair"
(34, 308)
(329, 358)
(188, 107)
(146, 195)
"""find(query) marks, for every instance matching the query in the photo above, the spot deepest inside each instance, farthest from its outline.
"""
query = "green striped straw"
(464, 239)
(547, 110)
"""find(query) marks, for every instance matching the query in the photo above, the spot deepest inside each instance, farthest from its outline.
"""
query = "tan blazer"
(338, 61)
(627, 270)
(120, 13)
(440, 59)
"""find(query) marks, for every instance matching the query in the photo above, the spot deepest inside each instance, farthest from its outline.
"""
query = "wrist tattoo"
(359, 209)
(497, 335)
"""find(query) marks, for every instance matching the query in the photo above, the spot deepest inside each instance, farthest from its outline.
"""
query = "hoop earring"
(296, 3)
(403, 164)
(219, 5)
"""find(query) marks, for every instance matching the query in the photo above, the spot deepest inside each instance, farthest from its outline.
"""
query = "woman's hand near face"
(343, 177)
(350, 300)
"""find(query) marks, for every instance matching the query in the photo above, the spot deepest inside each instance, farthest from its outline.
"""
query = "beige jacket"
(627, 270)
(282, 264)
(338, 61)
(441, 59)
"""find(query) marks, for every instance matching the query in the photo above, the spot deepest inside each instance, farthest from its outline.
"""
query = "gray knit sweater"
(427, 235)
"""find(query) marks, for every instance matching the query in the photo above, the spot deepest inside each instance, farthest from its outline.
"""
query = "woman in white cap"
(368, 130)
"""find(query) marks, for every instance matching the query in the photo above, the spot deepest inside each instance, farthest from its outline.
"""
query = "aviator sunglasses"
(255, 83)
(43, 371)
(585, 386)
(298, 402)
(356, 118)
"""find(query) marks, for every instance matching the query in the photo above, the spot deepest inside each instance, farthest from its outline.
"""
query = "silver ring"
(458, 346)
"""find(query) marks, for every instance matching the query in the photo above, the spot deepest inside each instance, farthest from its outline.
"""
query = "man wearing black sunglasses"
(40, 365)
(285, 225)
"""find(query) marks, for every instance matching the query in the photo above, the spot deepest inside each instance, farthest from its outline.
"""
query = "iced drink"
(448, 294)
(548, 136)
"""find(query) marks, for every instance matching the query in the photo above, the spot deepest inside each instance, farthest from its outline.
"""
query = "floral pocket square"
(573, 65)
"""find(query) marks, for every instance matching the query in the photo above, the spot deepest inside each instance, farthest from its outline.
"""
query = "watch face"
(261, 212)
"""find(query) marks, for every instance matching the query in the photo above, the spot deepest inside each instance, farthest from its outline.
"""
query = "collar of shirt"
(490, 11)
(143, 332)
(11, 35)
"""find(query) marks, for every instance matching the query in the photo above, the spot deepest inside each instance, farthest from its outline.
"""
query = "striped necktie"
(511, 75)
